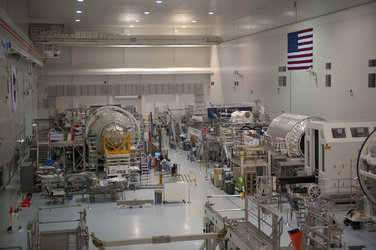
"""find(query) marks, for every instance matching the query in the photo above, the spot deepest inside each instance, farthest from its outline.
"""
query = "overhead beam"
(92, 39)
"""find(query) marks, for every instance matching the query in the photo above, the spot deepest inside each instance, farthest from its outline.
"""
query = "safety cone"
(23, 203)
(296, 238)
(28, 201)
(11, 209)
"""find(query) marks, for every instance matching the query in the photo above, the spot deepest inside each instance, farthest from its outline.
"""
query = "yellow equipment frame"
(114, 150)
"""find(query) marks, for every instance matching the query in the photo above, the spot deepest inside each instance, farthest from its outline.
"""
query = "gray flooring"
(110, 222)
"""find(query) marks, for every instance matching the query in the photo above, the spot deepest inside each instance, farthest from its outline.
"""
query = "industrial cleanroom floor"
(110, 222)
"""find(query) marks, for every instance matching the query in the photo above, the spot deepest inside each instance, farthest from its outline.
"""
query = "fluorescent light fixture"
(77, 20)
(184, 26)
(126, 97)
(78, 11)
(158, 1)
(137, 21)
(194, 21)
(147, 12)
(80, 1)
(131, 26)
(211, 13)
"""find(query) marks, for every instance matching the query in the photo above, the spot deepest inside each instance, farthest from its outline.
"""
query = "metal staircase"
(93, 153)
(42, 153)
(42, 147)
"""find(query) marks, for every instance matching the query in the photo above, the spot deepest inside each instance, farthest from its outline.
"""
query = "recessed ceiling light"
(194, 21)
(147, 12)
(211, 13)
(158, 1)
(137, 21)
(78, 11)
(128, 34)
(80, 1)
(184, 26)
(77, 20)
(131, 26)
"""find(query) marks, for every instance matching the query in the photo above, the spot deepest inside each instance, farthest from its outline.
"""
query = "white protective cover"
(241, 117)
(291, 128)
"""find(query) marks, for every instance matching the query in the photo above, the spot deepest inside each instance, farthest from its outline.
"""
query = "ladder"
(300, 209)
(139, 160)
(145, 173)
(93, 153)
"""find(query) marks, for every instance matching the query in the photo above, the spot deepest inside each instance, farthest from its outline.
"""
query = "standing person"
(163, 164)
(160, 158)
(149, 161)
(169, 166)
(174, 170)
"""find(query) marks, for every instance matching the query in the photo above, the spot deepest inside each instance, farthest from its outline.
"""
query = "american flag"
(300, 49)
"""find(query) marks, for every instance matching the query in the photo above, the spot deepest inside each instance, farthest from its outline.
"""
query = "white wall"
(101, 60)
(111, 66)
(347, 39)
(15, 124)
(158, 95)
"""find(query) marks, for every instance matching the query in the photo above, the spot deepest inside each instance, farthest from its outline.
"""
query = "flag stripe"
(306, 30)
(306, 49)
(299, 62)
(300, 55)
(299, 59)
(305, 34)
(308, 40)
(303, 67)
(300, 65)
(303, 53)
(301, 43)
(305, 46)
(304, 37)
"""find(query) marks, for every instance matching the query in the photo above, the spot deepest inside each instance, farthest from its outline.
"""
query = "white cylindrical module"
(116, 123)
(291, 128)
(366, 167)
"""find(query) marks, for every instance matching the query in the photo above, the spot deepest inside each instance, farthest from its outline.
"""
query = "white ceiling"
(232, 18)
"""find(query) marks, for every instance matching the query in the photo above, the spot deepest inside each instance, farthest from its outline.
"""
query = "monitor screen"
(157, 154)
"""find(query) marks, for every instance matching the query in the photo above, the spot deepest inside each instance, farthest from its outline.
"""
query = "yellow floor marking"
(196, 210)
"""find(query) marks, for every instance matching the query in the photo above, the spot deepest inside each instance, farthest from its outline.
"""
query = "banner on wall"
(14, 87)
